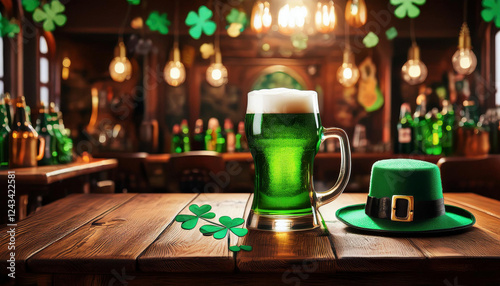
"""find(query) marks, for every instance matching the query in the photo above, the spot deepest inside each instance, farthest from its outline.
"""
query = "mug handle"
(322, 198)
(41, 149)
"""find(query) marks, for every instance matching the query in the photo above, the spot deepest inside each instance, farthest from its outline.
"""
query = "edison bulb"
(414, 72)
(464, 61)
(325, 17)
(355, 13)
(292, 17)
(120, 69)
(174, 73)
(348, 74)
(261, 17)
(216, 74)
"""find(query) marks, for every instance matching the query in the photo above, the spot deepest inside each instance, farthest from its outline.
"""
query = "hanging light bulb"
(355, 13)
(348, 72)
(261, 17)
(414, 70)
(464, 60)
(174, 71)
(293, 17)
(325, 16)
(120, 68)
(217, 72)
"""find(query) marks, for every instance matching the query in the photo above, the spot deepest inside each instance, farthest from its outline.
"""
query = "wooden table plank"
(286, 252)
(55, 221)
(484, 204)
(357, 251)
(115, 240)
(45, 175)
(178, 250)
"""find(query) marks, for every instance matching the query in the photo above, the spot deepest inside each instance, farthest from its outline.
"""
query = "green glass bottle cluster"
(214, 139)
(49, 126)
(442, 132)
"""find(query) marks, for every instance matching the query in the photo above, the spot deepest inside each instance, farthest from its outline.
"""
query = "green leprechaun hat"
(405, 196)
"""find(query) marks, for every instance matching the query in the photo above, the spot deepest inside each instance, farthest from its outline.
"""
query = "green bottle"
(220, 141)
(186, 147)
(432, 141)
(405, 130)
(54, 123)
(8, 107)
(44, 130)
(4, 135)
(28, 113)
(420, 125)
(211, 135)
(199, 136)
(230, 136)
(448, 125)
(176, 146)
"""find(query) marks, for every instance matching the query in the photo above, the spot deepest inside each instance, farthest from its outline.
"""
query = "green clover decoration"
(134, 2)
(30, 5)
(200, 22)
(491, 11)
(8, 28)
(158, 22)
(190, 221)
(407, 8)
(51, 15)
(370, 40)
(228, 224)
(236, 16)
(391, 33)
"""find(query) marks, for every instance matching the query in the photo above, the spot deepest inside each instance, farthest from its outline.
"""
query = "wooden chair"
(477, 175)
(197, 171)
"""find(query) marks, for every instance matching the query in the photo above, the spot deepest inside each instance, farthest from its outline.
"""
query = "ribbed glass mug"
(284, 133)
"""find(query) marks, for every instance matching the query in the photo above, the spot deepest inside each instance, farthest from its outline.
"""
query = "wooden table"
(34, 181)
(132, 238)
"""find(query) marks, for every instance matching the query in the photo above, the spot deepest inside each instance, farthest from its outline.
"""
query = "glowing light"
(174, 72)
(120, 68)
(414, 70)
(325, 17)
(347, 73)
(261, 18)
(464, 60)
(292, 18)
(355, 13)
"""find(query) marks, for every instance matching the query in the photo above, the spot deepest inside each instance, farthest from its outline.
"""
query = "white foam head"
(282, 100)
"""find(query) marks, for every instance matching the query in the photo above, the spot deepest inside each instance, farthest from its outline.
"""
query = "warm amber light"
(414, 70)
(261, 17)
(120, 68)
(325, 17)
(355, 13)
(292, 17)
(464, 60)
(348, 72)
(174, 72)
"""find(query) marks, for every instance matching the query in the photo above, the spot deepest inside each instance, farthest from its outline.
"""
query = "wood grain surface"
(179, 250)
(53, 222)
(114, 240)
(45, 175)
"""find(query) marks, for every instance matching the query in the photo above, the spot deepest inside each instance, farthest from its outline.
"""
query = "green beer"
(284, 132)
(283, 147)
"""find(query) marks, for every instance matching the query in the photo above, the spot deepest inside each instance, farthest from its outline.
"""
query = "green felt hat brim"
(455, 219)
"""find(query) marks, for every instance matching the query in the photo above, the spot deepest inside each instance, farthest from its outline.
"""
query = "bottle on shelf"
(211, 135)
(241, 144)
(198, 136)
(420, 124)
(432, 140)
(67, 141)
(44, 130)
(472, 138)
(448, 115)
(23, 140)
(406, 142)
(4, 135)
(186, 146)
(220, 140)
(230, 136)
(176, 146)
(8, 108)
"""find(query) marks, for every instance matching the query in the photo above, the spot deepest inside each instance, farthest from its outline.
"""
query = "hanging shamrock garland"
(200, 22)
(370, 40)
(8, 28)
(491, 11)
(237, 21)
(51, 15)
(407, 7)
(158, 22)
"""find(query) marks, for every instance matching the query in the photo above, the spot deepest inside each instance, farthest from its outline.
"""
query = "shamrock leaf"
(391, 33)
(491, 10)
(8, 28)
(30, 5)
(190, 221)
(234, 30)
(370, 40)
(158, 22)
(51, 15)
(207, 50)
(219, 232)
(237, 16)
(407, 7)
(235, 248)
(200, 22)
(134, 2)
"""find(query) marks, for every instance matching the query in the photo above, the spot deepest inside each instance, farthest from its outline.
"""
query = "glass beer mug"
(284, 132)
